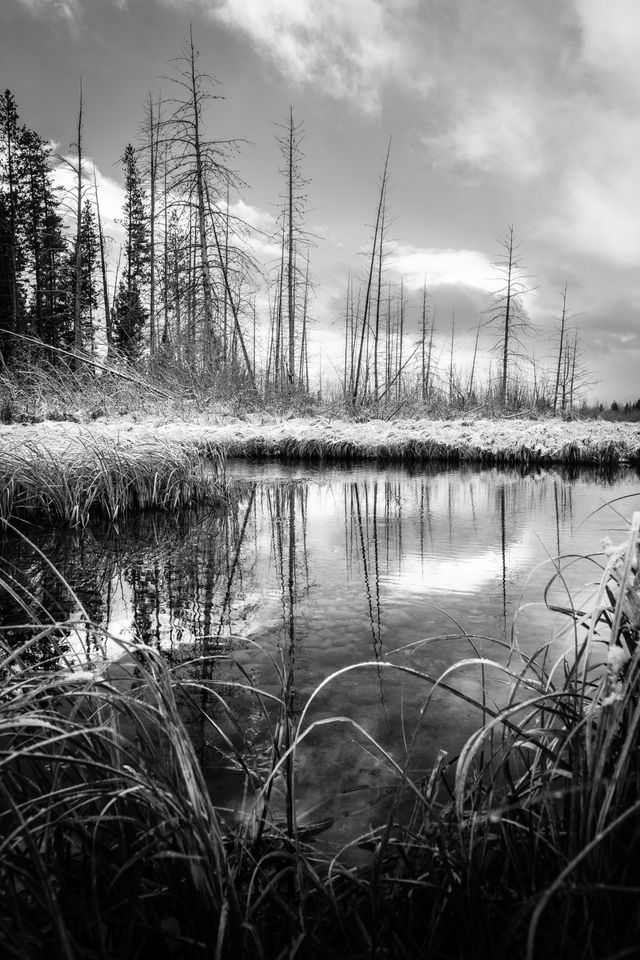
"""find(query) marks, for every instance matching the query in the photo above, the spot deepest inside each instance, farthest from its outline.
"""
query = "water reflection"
(308, 572)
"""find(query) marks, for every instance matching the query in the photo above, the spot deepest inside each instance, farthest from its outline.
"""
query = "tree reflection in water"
(302, 576)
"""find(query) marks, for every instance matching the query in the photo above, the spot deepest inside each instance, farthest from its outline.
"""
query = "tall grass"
(525, 845)
(72, 483)
(468, 443)
(36, 388)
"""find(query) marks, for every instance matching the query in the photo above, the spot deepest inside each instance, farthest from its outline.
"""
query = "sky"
(499, 112)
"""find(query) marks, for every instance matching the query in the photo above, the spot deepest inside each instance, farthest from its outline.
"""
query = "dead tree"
(151, 134)
(199, 175)
(507, 314)
(561, 349)
(294, 236)
(77, 297)
(372, 263)
(103, 267)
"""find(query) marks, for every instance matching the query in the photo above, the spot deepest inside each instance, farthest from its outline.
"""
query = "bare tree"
(562, 348)
(376, 330)
(423, 342)
(429, 366)
(294, 237)
(151, 148)
(103, 266)
(507, 314)
(473, 364)
(77, 300)
(372, 263)
(451, 352)
(199, 176)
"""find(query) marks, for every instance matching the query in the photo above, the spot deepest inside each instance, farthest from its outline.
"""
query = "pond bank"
(504, 442)
(66, 471)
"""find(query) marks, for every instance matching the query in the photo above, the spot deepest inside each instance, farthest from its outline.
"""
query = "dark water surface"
(316, 569)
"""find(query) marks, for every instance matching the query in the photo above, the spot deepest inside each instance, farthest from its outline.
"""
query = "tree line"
(383, 364)
(185, 288)
(185, 281)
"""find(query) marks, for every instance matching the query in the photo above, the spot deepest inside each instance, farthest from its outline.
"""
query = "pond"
(315, 569)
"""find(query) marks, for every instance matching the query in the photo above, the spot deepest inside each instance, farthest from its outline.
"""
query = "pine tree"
(130, 313)
(32, 246)
(175, 285)
(45, 247)
(6, 282)
(11, 234)
(89, 288)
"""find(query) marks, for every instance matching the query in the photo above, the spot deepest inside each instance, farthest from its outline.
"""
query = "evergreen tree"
(6, 282)
(130, 313)
(89, 288)
(11, 234)
(32, 246)
(57, 307)
(45, 247)
(87, 301)
(175, 287)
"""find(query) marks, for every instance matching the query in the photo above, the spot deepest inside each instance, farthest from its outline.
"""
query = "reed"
(96, 477)
(371, 442)
(525, 845)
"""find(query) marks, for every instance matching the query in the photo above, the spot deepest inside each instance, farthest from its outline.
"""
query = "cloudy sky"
(499, 112)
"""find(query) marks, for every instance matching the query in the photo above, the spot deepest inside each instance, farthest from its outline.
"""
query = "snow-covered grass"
(66, 470)
(508, 441)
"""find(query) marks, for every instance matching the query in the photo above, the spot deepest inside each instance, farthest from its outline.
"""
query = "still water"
(315, 569)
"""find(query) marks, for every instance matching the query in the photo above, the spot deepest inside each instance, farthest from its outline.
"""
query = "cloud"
(610, 38)
(110, 193)
(69, 10)
(457, 268)
(499, 71)
(598, 193)
(498, 136)
(348, 50)
(253, 216)
(600, 217)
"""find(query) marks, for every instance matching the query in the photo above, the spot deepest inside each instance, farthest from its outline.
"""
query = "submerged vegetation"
(527, 844)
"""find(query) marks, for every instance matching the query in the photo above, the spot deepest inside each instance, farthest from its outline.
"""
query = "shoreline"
(507, 442)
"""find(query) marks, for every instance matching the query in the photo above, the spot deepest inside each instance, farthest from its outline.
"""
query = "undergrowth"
(525, 845)
(37, 389)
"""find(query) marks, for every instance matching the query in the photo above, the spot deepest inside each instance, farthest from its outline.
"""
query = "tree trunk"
(209, 345)
(103, 268)
(367, 301)
(507, 316)
(563, 317)
(77, 311)
(290, 260)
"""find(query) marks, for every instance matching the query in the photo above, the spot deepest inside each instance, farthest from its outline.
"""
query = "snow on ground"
(544, 440)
